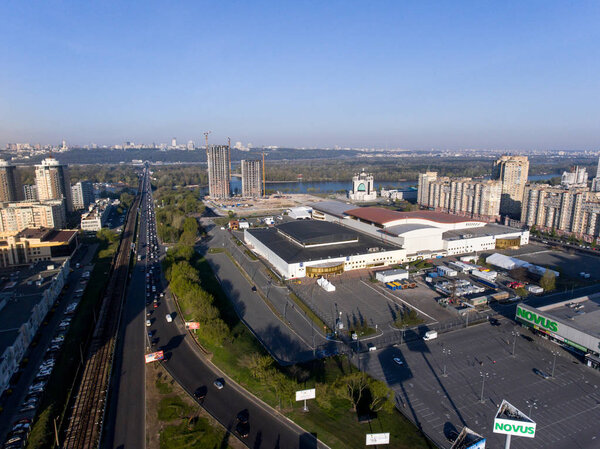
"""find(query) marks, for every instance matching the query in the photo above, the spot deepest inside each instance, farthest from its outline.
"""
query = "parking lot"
(477, 363)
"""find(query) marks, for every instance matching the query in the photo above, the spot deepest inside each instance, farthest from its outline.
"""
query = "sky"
(510, 75)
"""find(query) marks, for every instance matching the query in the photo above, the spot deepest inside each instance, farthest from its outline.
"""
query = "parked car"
(219, 384)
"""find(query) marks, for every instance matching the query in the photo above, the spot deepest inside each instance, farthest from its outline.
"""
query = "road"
(126, 417)
(190, 368)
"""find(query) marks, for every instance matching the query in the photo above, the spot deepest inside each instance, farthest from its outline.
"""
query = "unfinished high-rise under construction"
(251, 179)
(218, 171)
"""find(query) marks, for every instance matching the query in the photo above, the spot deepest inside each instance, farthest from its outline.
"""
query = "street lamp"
(532, 403)
(483, 377)
(515, 334)
(446, 352)
(554, 353)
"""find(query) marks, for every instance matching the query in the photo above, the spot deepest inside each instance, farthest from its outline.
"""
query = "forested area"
(179, 175)
(96, 173)
(174, 225)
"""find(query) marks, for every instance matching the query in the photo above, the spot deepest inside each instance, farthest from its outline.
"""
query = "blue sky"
(505, 75)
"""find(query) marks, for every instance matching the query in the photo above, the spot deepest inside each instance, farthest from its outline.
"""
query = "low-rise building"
(26, 298)
(95, 219)
(35, 245)
(363, 187)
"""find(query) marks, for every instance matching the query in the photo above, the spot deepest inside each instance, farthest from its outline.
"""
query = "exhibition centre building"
(341, 237)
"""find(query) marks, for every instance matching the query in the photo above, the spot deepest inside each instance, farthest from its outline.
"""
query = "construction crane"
(206, 139)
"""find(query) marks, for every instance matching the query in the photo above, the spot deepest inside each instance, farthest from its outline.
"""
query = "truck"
(430, 335)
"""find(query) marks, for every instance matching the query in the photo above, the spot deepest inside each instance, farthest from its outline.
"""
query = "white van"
(430, 335)
(169, 318)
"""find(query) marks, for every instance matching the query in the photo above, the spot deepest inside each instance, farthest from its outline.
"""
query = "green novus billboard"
(537, 319)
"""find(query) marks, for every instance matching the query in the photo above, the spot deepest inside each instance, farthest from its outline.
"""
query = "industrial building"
(251, 178)
(17, 216)
(53, 182)
(25, 299)
(318, 248)
(219, 173)
(35, 245)
(10, 183)
(422, 234)
(363, 188)
(575, 324)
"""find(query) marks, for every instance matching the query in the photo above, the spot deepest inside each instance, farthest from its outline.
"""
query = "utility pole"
(554, 353)
(446, 352)
(515, 335)
(483, 376)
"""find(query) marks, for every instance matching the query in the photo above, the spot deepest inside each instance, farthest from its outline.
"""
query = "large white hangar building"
(422, 234)
(319, 248)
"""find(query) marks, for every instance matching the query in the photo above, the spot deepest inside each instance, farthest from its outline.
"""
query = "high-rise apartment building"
(576, 177)
(478, 199)
(251, 179)
(565, 211)
(596, 180)
(82, 194)
(190, 145)
(53, 182)
(15, 217)
(218, 171)
(30, 192)
(513, 172)
(10, 184)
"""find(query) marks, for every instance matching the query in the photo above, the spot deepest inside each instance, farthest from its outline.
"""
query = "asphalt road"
(189, 367)
(126, 418)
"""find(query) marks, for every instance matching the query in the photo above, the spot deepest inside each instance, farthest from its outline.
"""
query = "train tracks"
(87, 412)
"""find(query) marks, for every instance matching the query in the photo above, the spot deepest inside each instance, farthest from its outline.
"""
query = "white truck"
(430, 335)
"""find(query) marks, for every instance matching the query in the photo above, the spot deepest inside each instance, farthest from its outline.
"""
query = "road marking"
(400, 299)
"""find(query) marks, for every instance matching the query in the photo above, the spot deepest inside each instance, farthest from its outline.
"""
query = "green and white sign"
(539, 320)
(517, 428)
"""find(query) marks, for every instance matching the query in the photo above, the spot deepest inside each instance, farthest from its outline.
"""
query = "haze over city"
(510, 75)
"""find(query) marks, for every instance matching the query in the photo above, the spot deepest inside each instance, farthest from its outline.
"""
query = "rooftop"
(312, 232)
(291, 252)
(586, 318)
(335, 208)
(488, 229)
(382, 216)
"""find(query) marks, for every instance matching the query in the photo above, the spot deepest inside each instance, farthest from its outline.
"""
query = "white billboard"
(303, 395)
(509, 420)
(377, 438)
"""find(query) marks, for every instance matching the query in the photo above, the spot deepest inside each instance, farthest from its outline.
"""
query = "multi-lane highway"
(184, 361)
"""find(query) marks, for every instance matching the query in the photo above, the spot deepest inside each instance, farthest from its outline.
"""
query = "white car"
(148, 323)
(169, 318)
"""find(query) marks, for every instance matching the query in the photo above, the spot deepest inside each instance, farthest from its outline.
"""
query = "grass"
(59, 386)
(197, 434)
(173, 407)
(407, 319)
(309, 313)
(163, 387)
(333, 423)
(216, 250)
(250, 254)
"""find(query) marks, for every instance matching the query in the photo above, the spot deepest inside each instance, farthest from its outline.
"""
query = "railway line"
(85, 424)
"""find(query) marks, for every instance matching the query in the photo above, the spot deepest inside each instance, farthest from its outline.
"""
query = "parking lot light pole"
(554, 353)
(532, 403)
(515, 335)
(483, 376)
(446, 352)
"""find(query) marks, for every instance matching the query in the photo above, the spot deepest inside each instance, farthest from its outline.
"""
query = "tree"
(126, 199)
(352, 387)
(381, 397)
(548, 281)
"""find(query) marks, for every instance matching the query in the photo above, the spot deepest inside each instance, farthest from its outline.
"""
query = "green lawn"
(197, 434)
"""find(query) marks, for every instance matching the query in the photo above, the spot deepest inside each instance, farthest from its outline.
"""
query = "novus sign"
(539, 320)
(517, 428)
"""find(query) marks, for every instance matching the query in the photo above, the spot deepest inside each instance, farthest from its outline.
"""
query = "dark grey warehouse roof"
(313, 232)
(291, 252)
(335, 208)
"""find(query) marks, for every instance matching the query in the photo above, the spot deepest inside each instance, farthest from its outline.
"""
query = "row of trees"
(196, 303)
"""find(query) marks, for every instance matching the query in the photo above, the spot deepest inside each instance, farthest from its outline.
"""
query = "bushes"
(173, 223)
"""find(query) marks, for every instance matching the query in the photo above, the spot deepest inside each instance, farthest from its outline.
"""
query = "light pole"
(483, 377)
(532, 403)
(515, 334)
(554, 353)
(446, 352)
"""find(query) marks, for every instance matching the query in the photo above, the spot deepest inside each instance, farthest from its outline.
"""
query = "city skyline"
(515, 77)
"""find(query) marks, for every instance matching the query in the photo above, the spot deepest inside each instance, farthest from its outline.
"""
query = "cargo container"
(487, 275)
(535, 289)
(432, 275)
(446, 271)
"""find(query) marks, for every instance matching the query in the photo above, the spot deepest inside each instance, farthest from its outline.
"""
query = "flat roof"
(293, 253)
(403, 228)
(23, 297)
(586, 319)
(313, 232)
(482, 231)
(383, 216)
(335, 208)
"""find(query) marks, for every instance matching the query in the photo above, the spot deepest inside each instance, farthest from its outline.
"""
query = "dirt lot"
(261, 206)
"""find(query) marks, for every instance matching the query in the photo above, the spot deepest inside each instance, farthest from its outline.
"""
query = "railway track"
(87, 412)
